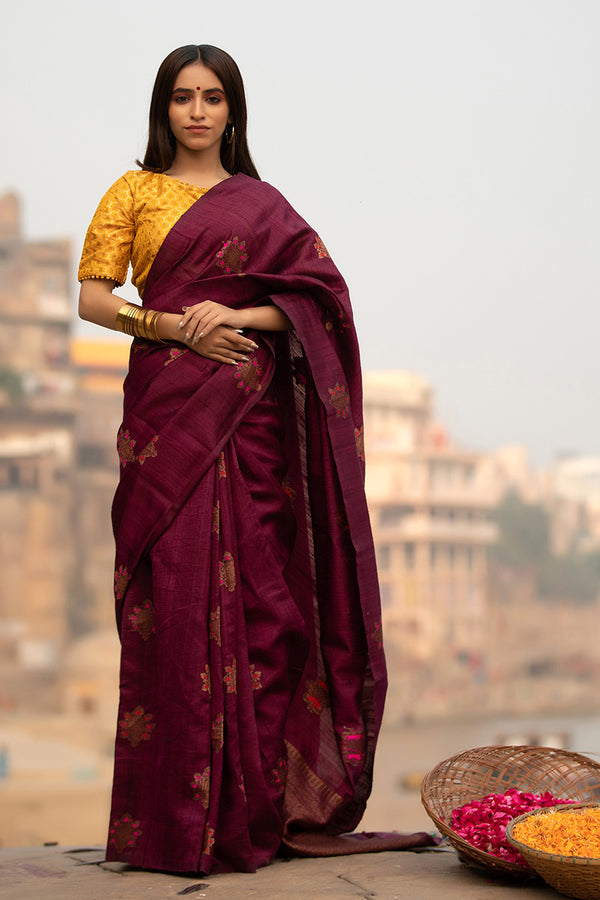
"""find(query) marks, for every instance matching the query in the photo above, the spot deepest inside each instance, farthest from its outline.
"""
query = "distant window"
(409, 555)
(91, 455)
(28, 476)
(384, 555)
(15, 475)
(393, 515)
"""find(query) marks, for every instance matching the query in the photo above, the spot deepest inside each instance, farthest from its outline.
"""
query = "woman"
(252, 675)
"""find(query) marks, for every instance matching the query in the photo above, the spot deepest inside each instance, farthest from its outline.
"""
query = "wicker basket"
(575, 876)
(473, 774)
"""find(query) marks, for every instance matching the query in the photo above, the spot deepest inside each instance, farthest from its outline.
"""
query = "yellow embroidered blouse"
(131, 222)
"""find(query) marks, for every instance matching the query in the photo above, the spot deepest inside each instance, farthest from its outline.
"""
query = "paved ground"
(57, 873)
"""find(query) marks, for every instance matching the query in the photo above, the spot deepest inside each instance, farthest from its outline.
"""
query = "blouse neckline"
(191, 185)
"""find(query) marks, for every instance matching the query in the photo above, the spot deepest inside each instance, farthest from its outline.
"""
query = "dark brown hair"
(160, 151)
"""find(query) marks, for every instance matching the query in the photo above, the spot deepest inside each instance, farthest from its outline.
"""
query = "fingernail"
(184, 308)
(197, 338)
(180, 325)
(187, 335)
(245, 359)
(201, 334)
(253, 345)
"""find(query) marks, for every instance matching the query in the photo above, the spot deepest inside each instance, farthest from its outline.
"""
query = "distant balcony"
(425, 528)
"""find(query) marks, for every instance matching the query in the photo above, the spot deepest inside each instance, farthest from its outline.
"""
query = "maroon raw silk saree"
(252, 674)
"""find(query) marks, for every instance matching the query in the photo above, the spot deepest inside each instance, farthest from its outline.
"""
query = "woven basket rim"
(474, 854)
(527, 851)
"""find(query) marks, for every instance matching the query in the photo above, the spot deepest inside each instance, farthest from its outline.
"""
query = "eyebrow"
(181, 90)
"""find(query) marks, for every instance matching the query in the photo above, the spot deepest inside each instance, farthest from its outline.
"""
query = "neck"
(203, 169)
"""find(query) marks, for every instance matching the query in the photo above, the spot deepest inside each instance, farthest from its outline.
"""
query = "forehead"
(196, 76)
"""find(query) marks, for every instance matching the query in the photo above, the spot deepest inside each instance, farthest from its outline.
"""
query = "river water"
(407, 752)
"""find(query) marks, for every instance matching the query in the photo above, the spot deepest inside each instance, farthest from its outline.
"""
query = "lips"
(198, 129)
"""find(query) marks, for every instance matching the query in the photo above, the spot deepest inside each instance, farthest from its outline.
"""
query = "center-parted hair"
(160, 152)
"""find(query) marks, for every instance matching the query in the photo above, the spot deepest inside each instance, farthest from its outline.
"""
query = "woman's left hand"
(199, 320)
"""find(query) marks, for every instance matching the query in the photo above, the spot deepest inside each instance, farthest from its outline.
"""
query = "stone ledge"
(59, 873)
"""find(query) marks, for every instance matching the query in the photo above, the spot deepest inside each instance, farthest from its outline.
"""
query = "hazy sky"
(447, 151)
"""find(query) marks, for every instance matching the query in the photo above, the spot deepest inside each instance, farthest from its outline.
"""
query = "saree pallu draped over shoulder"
(252, 673)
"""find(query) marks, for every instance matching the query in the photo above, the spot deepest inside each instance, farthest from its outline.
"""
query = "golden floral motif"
(122, 578)
(209, 841)
(377, 636)
(217, 732)
(321, 248)
(227, 577)
(149, 450)
(221, 470)
(137, 726)
(248, 375)
(205, 678)
(338, 398)
(232, 256)
(279, 775)
(316, 696)
(214, 625)
(142, 620)
(216, 518)
(359, 437)
(242, 788)
(125, 447)
(353, 746)
(124, 832)
(201, 786)
(255, 677)
(230, 678)
(175, 353)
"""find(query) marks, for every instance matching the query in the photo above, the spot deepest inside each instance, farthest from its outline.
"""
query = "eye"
(180, 98)
(214, 99)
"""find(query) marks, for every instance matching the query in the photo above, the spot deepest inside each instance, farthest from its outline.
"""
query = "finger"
(189, 312)
(206, 325)
(238, 342)
(193, 330)
(225, 360)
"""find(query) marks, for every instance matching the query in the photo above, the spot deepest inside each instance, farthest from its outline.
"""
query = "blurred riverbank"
(55, 784)
(405, 753)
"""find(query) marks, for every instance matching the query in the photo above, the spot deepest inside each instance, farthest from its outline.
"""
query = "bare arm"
(198, 321)
(99, 305)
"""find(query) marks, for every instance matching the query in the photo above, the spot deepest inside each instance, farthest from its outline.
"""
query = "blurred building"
(37, 388)
(430, 506)
(99, 367)
(575, 504)
(60, 408)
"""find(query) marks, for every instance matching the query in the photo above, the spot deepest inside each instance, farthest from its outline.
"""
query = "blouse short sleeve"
(107, 247)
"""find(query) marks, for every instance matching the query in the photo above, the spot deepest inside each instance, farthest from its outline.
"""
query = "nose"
(197, 108)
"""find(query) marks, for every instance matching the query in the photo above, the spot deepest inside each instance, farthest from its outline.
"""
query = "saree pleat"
(252, 676)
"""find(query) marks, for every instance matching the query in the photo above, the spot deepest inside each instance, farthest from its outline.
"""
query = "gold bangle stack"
(139, 322)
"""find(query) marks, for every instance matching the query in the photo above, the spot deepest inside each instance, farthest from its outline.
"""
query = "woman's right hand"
(223, 344)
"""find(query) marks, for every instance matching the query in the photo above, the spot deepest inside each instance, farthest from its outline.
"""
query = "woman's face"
(198, 111)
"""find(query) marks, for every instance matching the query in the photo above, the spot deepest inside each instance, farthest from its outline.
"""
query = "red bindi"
(198, 89)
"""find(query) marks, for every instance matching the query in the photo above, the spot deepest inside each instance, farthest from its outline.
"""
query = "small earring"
(229, 137)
